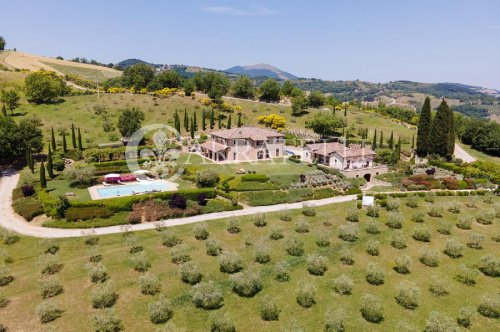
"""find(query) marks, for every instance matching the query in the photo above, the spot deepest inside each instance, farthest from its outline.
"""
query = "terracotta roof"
(253, 133)
(214, 146)
(325, 149)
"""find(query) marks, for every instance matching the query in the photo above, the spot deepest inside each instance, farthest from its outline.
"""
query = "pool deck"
(95, 195)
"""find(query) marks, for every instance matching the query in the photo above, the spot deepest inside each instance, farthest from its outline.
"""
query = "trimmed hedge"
(218, 205)
(28, 208)
(241, 185)
(260, 198)
(88, 212)
(254, 177)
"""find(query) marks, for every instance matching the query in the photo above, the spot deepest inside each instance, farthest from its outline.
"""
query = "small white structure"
(368, 201)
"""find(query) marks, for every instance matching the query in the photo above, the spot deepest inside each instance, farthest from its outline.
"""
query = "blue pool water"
(130, 189)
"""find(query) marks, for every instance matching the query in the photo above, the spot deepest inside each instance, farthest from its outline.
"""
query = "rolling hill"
(261, 70)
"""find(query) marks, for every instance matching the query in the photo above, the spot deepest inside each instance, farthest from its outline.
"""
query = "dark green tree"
(325, 124)
(189, 87)
(44, 86)
(424, 129)
(43, 178)
(239, 120)
(442, 132)
(138, 76)
(130, 121)
(167, 79)
(4, 110)
(2, 43)
(381, 141)
(391, 140)
(50, 166)
(270, 91)
(219, 119)
(80, 145)
(195, 121)
(374, 142)
(299, 104)
(53, 139)
(346, 105)
(287, 89)
(73, 136)
(65, 146)
(203, 120)
(10, 99)
(177, 123)
(316, 99)
(229, 122)
(243, 88)
(186, 121)
(413, 142)
(192, 128)
(212, 119)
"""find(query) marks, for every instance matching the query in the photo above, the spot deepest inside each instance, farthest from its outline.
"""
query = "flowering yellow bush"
(165, 92)
(272, 120)
(117, 90)
(143, 91)
(205, 101)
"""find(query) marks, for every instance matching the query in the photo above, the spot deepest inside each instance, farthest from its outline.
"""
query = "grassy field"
(479, 155)
(75, 301)
(87, 73)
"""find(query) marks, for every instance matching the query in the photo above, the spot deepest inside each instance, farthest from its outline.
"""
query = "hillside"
(20, 60)
(261, 70)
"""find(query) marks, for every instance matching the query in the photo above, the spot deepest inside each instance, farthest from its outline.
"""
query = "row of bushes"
(477, 169)
(239, 184)
(87, 212)
(271, 197)
(422, 194)
(254, 178)
(219, 205)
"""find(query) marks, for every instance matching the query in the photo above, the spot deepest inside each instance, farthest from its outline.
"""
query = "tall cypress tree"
(191, 128)
(80, 145)
(195, 121)
(424, 129)
(239, 120)
(442, 132)
(73, 136)
(345, 110)
(381, 141)
(203, 120)
(374, 143)
(229, 122)
(50, 167)
(65, 146)
(413, 142)
(391, 140)
(219, 121)
(177, 123)
(4, 110)
(186, 121)
(43, 179)
(53, 140)
(212, 119)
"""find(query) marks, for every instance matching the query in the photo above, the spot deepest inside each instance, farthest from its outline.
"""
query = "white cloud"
(234, 11)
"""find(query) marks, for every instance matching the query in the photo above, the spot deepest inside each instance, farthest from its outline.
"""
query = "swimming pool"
(134, 188)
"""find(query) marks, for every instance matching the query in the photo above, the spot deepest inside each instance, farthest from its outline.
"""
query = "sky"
(371, 40)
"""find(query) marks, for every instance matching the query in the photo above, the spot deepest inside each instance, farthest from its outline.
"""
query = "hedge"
(219, 205)
(255, 177)
(239, 185)
(330, 170)
(115, 163)
(260, 198)
(86, 213)
(382, 196)
(28, 207)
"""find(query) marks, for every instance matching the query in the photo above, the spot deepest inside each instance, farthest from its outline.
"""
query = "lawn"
(59, 188)
(479, 155)
(75, 301)
(87, 73)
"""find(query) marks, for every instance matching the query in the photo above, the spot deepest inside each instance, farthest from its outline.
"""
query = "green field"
(87, 73)
(131, 307)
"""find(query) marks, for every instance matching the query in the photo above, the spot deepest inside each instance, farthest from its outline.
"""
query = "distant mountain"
(130, 62)
(261, 70)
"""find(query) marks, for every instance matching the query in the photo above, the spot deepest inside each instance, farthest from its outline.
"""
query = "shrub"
(429, 257)
(438, 322)
(276, 233)
(97, 273)
(285, 215)
(222, 322)
(436, 211)
(214, 247)
(430, 197)
(87, 212)
(398, 240)
(490, 306)
(207, 295)
(323, 239)
(106, 321)
(262, 253)
(422, 234)
(490, 265)
(92, 241)
(103, 296)
(467, 275)
(395, 220)
(408, 294)
(200, 231)
(28, 208)
(453, 248)
(294, 246)
(486, 216)
(418, 217)
(374, 274)
(392, 204)
(464, 222)
(348, 233)
(372, 247)
(308, 210)
(475, 240)
(179, 255)
(403, 264)
(373, 211)
(50, 264)
(306, 294)
(190, 273)
(177, 201)
(50, 287)
(372, 227)
(439, 285)
(346, 256)
(455, 207)
(48, 311)
(246, 284)
(5, 277)
(206, 178)
(259, 220)
(316, 264)
(444, 227)
(343, 284)
(230, 262)
(233, 225)
(352, 215)
(302, 227)
(372, 309)
(464, 316)
(269, 310)
(412, 202)
(334, 321)
(131, 241)
(140, 262)
(281, 271)
(160, 311)
(169, 240)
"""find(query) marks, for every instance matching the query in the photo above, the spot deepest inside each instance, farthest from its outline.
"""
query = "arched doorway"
(367, 177)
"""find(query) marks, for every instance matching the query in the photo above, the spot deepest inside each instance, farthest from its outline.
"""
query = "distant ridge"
(261, 69)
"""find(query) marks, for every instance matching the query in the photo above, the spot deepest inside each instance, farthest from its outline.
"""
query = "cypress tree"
(219, 119)
(73, 136)
(4, 110)
(374, 143)
(65, 146)
(192, 128)
(396, 155)
(53, 140)
(195, 121)
(413, 142)
(212, 119)
(186, 121)
(203, 121)
(239, 120)
(229, 122)
(391, 141)
(345, 110)
(177, 123)
(442, 132)
(43, 179)
(381, 141)
(80, 145)
(424, 129)
(50, 167)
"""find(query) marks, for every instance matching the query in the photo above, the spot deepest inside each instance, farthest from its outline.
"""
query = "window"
(277, 152)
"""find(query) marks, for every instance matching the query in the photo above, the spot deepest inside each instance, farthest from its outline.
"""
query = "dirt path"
(462, 154)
